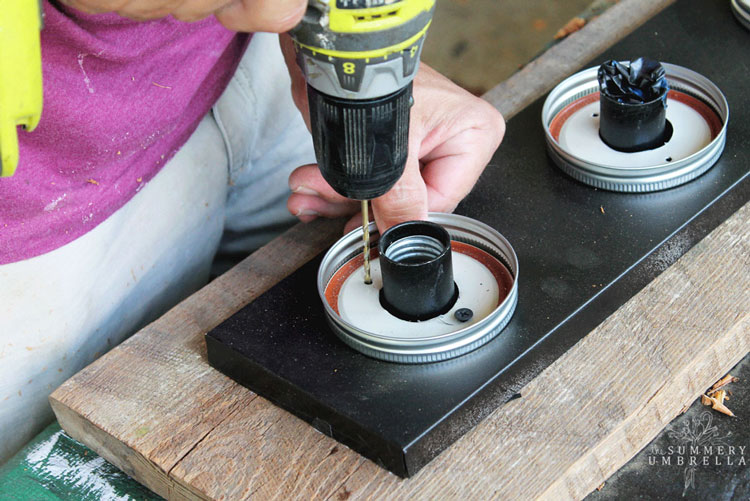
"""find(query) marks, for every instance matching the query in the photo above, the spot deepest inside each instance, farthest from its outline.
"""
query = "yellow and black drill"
(359, 58)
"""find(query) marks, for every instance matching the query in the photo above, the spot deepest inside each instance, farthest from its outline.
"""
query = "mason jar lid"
(485, 269)
(741, 9)
(697, 112)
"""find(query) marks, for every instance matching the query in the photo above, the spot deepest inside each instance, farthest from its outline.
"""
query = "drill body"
(359, 58)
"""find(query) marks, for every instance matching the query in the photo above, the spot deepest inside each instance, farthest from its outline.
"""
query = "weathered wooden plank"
(266, 453)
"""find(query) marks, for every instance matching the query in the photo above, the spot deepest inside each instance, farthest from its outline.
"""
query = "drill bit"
(366, 238)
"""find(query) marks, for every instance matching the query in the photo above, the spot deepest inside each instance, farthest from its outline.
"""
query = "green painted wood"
(55, 467)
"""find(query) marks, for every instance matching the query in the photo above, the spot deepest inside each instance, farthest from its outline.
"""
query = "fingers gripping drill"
(359, 58)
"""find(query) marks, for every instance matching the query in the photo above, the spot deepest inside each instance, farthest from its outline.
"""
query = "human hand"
(452, 137)
(276, 16)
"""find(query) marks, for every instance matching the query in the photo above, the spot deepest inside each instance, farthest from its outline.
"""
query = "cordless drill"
(359, 58)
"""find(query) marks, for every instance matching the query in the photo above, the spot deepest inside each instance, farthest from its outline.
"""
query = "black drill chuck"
(361, 145)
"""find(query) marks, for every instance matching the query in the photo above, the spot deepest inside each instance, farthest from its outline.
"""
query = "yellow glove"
(20, 76)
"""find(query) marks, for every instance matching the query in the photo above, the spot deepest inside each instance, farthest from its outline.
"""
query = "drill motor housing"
(359, 58)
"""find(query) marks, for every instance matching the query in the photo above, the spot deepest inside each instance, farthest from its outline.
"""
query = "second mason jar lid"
(696, 110)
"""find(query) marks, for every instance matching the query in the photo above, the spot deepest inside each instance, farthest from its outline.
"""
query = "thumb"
(406, 201)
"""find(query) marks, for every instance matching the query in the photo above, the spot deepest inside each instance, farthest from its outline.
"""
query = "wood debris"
(93, 181)
(719, 406)
(571, 26)
(716, 397)
(721, 383)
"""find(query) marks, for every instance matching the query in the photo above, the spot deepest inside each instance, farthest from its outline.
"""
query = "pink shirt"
(120, 98)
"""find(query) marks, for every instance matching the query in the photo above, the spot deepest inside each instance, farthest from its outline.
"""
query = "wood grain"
(267, 454)
(154, 408)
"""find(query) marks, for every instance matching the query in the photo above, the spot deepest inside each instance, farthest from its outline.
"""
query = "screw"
(463, 314)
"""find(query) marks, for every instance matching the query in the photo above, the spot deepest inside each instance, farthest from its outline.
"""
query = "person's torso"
(120, 98)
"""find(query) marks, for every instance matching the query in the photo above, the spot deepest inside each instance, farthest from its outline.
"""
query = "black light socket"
(417, 271)
(633, 105)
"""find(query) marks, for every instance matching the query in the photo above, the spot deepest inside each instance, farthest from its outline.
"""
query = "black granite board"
(583, 252)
